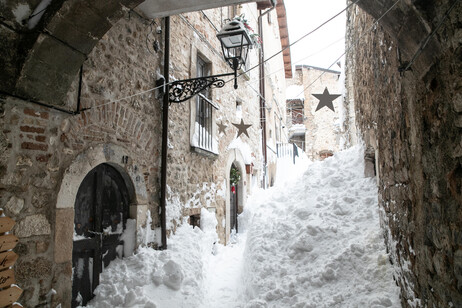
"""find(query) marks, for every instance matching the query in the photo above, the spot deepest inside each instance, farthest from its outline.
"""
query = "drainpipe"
(165, 106)
(262, 93)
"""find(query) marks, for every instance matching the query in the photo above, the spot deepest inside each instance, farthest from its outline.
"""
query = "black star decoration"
(242, 128)
(325, 99)
(221, 128)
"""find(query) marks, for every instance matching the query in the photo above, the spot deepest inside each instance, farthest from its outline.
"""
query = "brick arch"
(117, 123)
(63, 39)
(40, 63)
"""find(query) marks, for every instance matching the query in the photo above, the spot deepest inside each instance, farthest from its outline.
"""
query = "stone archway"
(46, 42)
(100, 228)
(235, 159)
(116, 158)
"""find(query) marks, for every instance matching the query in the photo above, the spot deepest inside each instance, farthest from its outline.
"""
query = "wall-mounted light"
(235, 43)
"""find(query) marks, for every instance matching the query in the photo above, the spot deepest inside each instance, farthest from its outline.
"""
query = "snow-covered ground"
(313, 240)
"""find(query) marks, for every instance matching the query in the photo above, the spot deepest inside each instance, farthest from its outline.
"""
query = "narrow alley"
(313, 240)
(232, 153)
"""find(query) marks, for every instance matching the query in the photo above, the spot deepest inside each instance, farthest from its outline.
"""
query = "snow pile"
(317, 242)
(287, 171)
(313, 240)
(152, 278)
(244, 148)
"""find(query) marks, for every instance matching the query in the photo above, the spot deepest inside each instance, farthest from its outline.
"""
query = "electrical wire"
(301, 38)
(289, 65)
(338, 59)
(239, 75)
(210, 22)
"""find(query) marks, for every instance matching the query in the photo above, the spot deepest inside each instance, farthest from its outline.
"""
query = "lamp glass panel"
(232, 41)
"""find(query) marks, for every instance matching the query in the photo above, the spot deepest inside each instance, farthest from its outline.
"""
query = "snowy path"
(316, 242)
(313, 240)
(223, 284)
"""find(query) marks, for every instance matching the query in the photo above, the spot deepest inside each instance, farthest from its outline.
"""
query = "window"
(195, 220)
(296, 111)
(203, 128)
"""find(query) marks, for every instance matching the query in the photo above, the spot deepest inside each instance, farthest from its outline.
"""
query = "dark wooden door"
(101, 211)
(233, 207)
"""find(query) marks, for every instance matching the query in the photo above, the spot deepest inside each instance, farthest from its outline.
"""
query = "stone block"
(458, 268)
(458, 121)
(33, 225)
(14, 206)
(40, 199)
(79, 26)
(62, 283)
(41, 246)
(8, 49)
(36, 268)
(22, 249)
(64, 232)
(49, 73)
(458, 102)
(139, 212)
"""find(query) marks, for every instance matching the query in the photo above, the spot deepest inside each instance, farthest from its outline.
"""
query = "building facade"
(319, 132)
(81, 173)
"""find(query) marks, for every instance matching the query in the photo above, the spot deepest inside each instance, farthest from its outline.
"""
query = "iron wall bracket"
(182, 90)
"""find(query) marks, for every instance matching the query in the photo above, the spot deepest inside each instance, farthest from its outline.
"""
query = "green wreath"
(235, 176)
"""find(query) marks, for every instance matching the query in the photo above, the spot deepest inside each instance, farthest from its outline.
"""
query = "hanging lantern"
(235, 43)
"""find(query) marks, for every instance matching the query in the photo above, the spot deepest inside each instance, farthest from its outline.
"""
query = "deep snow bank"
(313, 240)
(317, 243)
(152, 278)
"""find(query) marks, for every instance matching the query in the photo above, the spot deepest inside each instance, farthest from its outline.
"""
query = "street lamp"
(235, 43)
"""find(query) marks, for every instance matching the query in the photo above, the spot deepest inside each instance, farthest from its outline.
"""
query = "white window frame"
(202, 132)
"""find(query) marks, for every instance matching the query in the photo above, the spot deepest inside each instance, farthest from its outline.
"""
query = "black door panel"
(101, 211)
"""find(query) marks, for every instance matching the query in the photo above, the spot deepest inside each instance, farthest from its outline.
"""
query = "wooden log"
(7, 242)
(9, 296)
(6, 278)
(7, 259)
(6, 224)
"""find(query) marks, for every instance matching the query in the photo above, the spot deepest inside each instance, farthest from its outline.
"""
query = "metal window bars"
(204, 123)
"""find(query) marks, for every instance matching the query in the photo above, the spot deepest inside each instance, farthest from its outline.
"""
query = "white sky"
(304, 16)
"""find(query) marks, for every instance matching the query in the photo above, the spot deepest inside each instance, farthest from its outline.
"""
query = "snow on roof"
(244, 148)
(294, 92)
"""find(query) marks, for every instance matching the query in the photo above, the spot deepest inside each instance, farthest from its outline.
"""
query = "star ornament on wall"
(325, 99)
(242, 128)
(221, 128)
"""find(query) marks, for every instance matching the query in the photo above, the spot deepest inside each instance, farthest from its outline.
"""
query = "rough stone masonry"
(412, 121)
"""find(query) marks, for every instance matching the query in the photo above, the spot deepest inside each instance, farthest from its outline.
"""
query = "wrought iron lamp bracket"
(182, 90)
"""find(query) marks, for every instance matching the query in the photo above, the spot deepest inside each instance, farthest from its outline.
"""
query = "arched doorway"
(234, 180)
(101, 212)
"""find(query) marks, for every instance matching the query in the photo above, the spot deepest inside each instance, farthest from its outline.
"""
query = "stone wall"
(412, 122)
(46, 154)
